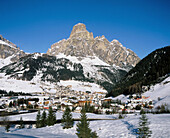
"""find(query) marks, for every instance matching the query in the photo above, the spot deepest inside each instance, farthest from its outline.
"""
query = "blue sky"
(34, 25)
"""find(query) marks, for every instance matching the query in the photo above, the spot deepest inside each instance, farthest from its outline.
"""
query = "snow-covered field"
(125, 128)
(32, 116)
(36, 86)
(82, 86)
(18, 85)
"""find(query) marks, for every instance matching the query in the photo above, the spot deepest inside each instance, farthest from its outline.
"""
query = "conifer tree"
(86, 107)
(142, 111)
(7, 127)
(94, 134)
(21, 123)
(10, 104)
(5, 121)
(38, 120)
(67, 120)
(143, 130)
(83, 130)
(43, 119)
(51, 119)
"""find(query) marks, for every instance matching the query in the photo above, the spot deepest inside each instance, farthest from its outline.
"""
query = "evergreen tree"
(143, 130)
(87, 106)
(7, 127)
(51, 119)
(6, 123)
(10, 104)
(94, 134)
(142, 112)
(67, 120)
(120, 116)
(38, 120)
(83, 130)
(21, 123)
(43, 119)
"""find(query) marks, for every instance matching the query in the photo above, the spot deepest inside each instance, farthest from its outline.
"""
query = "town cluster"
(96, 101)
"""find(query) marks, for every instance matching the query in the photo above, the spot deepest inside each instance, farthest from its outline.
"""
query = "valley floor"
(125, 128)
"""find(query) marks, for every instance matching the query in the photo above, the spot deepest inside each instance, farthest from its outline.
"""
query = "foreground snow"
(125, 128)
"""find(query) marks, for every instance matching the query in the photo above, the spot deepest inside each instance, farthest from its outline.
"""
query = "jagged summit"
(8, 49)
(80, 27)
(81, 43)
(79, 31)
(6, 42)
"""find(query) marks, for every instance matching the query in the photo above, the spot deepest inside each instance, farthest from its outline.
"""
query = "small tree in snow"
(67, 120)
(21, 123)
(143, 130)
(43, 119)
(38, 120)
(51, 119)
(7, 127)
(142, 111)
(6, 123)
(83, 130)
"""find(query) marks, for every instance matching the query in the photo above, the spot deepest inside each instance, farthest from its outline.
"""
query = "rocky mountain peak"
(79, 31)
(7, 49)
(81, 43)
(114, 41)
(80, 27)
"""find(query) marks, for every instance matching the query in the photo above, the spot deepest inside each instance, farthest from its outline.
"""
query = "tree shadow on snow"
(131, 128)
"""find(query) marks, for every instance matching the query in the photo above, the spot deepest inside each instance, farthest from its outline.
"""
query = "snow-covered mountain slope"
(147, 72)
(35, 85)
(160, 93)
(6, 61)
(82, 86)
(44, 68)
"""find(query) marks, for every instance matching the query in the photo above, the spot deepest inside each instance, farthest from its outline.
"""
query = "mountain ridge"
(83, 58)
(10, 50)
(54, 69)
(146, 73)
(81, 43)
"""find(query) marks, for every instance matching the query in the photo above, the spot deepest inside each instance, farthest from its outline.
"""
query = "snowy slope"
(91, 60)
(20, 85)
(90, 65)
(4, 43)
(161, 90)
(36, 86)
(82, 86)
(6, 61)
(39, 68)
(121, 97)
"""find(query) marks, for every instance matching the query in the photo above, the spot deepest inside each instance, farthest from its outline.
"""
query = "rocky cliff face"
(8, 49)
(81, 43)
